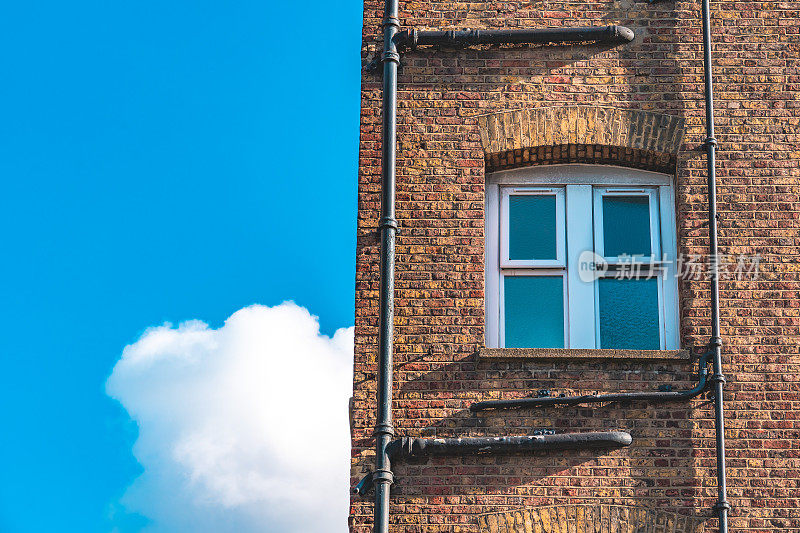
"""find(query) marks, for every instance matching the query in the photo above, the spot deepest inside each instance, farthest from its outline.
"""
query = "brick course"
(444, 95)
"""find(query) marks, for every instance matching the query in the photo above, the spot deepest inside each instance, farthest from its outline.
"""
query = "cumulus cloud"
(241, 428)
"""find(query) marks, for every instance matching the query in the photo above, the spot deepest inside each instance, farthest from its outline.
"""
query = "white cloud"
(241, 428)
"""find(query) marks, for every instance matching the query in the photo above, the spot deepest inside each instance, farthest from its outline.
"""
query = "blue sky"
(161, 161)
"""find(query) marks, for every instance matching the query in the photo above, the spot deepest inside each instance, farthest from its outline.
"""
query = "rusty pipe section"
(407, 447)
(413, 38)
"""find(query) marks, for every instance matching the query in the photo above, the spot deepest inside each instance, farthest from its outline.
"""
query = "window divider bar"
(580, 293)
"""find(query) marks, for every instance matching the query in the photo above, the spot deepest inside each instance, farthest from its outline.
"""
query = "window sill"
(577, 354)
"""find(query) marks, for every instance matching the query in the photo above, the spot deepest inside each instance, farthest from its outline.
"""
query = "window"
(580, 256)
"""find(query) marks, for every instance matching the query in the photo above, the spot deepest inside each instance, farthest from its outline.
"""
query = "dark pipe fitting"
(364, 485)
(654, 397)
(390, 56)
(717, 378)
(388, 223)
(621, 34)
(390, 20)
(407, 447)
(412, 38)
(720, 506)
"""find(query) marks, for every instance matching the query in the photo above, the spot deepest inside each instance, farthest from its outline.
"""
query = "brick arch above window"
(580, 134)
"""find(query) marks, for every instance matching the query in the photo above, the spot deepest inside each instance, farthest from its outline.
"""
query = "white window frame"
(661, 283)
(651, 193)
(517, 272)
(582, 186)
(651, 265)
(505, 195)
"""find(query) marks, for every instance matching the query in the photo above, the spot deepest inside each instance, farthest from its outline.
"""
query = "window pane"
(532, 227)
(534, 311)
(626, 225)
(629, 313)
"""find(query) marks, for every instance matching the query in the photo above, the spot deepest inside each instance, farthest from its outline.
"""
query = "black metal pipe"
(413, 448)
(382, 477)
(652, 397)
(718, 379)
(407, 447)
(412, 38)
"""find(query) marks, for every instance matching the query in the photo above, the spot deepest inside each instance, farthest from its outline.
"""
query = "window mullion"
(580, 294)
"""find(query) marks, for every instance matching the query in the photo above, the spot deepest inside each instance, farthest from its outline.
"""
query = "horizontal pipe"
(653, 397)
(411, 448)
(407, 447)
(412, 38)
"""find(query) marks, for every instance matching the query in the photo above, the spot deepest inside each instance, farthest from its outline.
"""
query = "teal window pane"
(534, 311)
(629, 313)
(626, 225)
(532, 227)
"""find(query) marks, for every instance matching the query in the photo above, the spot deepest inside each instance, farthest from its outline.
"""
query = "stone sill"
(578, 354)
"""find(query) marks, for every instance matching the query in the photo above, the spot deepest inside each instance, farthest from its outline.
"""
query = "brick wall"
(440, 272)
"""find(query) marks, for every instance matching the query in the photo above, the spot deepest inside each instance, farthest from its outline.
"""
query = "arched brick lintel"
(580, 125)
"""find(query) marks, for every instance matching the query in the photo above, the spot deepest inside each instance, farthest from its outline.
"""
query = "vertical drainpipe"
(718, 379)
(384, 431)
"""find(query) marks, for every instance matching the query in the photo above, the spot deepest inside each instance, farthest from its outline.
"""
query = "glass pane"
(534, 311)
(532, 227)
(629, 313)
(626, 225)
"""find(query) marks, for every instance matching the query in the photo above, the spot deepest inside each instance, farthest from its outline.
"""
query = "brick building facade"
(465, 115)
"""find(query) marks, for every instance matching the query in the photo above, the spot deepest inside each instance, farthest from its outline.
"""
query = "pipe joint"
(401, 447)
(722, 505)
(717, 378)
(388, 223)
(462, 38)
(382, 475)
(715, 342)
(407, 38)
(710, 142)
(390, 55)
(383, 429)
(390, 21)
